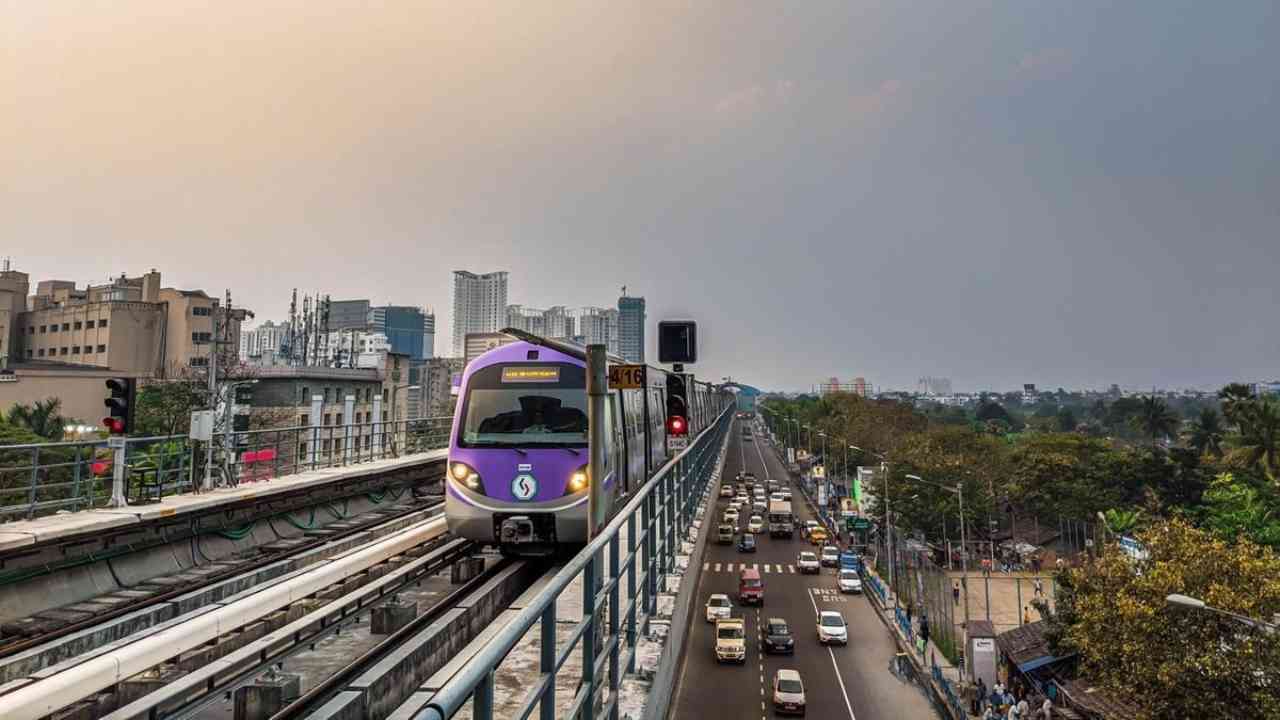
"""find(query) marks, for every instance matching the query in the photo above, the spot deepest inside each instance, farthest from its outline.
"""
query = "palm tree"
(1258, 443)
(1155, 419)
(1207, 433)
(41, 417)
(1120, 522)
(1237, 399)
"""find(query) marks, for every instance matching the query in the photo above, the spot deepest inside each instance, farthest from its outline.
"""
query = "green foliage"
(1121, 522)
(41, 418)
(1258, 443)
(1234, 508)
(164, 407)
(1154, 419)
(1207, 433)
(1170, 661)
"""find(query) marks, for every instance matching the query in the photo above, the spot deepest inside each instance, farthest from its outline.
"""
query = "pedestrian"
(1026, 614)
(1046, 710)
(1039, 587)
(910, 606)
(981, 692)
(955, 593)
(924, 629)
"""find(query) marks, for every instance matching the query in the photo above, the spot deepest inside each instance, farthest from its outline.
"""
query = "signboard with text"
(626, 377)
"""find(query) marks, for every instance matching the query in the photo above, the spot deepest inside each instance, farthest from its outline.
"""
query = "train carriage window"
(507, 409)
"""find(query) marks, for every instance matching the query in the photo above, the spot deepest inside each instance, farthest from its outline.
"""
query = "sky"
(1070, 194)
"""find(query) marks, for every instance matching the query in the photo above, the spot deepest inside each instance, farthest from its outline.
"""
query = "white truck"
(781, 522)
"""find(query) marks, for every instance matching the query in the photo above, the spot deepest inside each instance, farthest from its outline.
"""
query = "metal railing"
(656, 519)
(47, 478)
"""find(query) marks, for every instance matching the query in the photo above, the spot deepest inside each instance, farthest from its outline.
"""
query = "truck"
(781, 522)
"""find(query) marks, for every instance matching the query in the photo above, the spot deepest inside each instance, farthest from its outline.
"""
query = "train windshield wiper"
(571, 451)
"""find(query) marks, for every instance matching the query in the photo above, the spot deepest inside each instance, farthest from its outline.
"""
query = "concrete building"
(531, 320)
(598, 326)
(428, 335)
(477, 344)
(479, 305)
(349, 314)
(404, 327)
(934, 386)
(261, 346)
(437, 388)
(631, 328)
(14, 286)
(131, 325)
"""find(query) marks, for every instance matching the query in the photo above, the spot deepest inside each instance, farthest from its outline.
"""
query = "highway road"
(852, 681)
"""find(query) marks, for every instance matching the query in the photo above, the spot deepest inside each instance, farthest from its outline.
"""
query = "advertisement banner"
(822, 495)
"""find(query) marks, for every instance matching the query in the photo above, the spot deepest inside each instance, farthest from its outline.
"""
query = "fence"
(42, 479)
(656, 519)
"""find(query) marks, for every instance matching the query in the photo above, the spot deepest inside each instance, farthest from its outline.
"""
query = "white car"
(776, 497)
(831, 628)
(849, 581)
(788, 693)
(719, 607)
(831, 556)
(731, 516)
(727, 491)
(808, 563)
(755, 524)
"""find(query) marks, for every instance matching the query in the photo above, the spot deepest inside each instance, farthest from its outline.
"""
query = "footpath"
(922, 660)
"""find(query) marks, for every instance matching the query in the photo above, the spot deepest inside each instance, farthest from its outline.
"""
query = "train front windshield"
(513, 405)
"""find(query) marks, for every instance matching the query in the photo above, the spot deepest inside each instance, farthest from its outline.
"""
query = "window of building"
(75, 349)
(357, 419)
(31, 330)
(31, 353)
(304, 420)
(385, 394)
(77, 325)
(66, 326)
(41, 352)
(337, 418)
(62, 350)
(201, 337)
(199, 362)
(102, 322)
(43, 328)
(368, 394)
(102, 348)
(337, 445)
(201, 311)
(302, 449)
(324, 445)
(384, 416)
(327, 417)
(306, 396)
(326, 394)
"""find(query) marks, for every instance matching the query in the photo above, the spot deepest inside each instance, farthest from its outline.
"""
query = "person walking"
(1039, 588)
(955, 593)
(1026, 614)
(924, 630)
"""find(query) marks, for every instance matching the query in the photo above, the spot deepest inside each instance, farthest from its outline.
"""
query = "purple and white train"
(517, 472)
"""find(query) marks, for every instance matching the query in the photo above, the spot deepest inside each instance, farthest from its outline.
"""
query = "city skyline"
(1076, 197)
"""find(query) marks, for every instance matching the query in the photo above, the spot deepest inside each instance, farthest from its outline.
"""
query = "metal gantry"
(656, 518)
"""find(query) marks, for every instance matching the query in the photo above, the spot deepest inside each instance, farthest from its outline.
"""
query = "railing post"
(589, 574)
(615, 575)
(35, 478)
(649, 521)
(75, 492)
(483, 709)
(547, 663)
(117, 482)
(632, 599)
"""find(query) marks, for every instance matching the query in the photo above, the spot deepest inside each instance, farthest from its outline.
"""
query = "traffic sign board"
(676, 443)
(626, 377)
(859, 524)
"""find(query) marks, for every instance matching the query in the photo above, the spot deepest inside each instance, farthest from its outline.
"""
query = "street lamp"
(964, 555)
(1186, 601)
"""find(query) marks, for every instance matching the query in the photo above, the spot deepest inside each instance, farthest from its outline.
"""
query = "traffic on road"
(788, 630)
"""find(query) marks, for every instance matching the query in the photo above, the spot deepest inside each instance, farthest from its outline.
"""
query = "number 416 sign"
(626, 377)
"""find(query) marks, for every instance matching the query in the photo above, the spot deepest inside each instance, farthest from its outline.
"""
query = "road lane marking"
(835, 666)
(791, 569)
(717, 567)
(705, 566)
(728, 567)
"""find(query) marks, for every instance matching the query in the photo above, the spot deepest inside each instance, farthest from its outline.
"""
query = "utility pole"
(597, 388)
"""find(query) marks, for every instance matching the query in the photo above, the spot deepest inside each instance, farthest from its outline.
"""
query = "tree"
(41, 417)
(1155, 419)
(1207, 433)
(1258, 444)
(1172, 662)
(1121, 522)
(1235, 397)
(164, 406)
(1066, 420)
(1235, 509)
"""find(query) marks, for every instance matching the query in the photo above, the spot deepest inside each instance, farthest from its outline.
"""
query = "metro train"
(517, 468)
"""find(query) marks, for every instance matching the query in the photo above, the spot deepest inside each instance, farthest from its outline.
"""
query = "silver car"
(788, 692)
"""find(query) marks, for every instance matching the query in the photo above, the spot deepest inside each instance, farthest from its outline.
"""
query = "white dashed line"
(705, 566)
(791, 569)
(717, 567)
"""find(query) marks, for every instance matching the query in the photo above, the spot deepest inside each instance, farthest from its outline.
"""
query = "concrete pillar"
(466, 569)
(392, 615)
(378, 427)
(266, 696)
(317, 408)
(348, 432)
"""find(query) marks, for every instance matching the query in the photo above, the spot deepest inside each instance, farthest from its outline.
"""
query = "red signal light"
(676, 425)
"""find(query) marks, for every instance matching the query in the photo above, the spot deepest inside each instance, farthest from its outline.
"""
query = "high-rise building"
(349, 314)
(435, 381)
(261, 345)
(477, 344)
(598, 326)
(934, 386)
(479, 305)
(631, 328)
(530, 320)
(428, 335)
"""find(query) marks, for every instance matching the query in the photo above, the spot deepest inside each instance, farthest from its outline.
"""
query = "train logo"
(524, 487)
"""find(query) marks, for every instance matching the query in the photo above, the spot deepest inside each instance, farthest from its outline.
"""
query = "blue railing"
(657, 519)
(947, 689)
(876, 586)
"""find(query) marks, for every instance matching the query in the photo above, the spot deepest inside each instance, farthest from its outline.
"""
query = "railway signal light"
(677, 405)
(120, 405)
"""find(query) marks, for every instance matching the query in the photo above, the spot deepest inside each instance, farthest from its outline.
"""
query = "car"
(749, 476)
(747, 543)
(742, 498)
(771, 485)
(736, 503)
(830, 556)
(818, 536)
(727, 491)
(725, 533)
(719, 607)
(731, 640)
(809, 526)
(731, 516)
(788, 692)
(808, 563)
(775, 497)
(778, 638)
(849, 581)
(760, 509)
(755, 524)
(786, 496)
(831, 628)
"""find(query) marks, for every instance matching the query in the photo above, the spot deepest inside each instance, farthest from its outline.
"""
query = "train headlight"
(466, 475)
(578, 481)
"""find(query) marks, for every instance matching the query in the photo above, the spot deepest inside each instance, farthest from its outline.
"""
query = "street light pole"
(964, 561)
(1197, 604)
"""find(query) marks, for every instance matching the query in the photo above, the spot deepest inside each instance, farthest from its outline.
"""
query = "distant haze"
(1070, 194)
